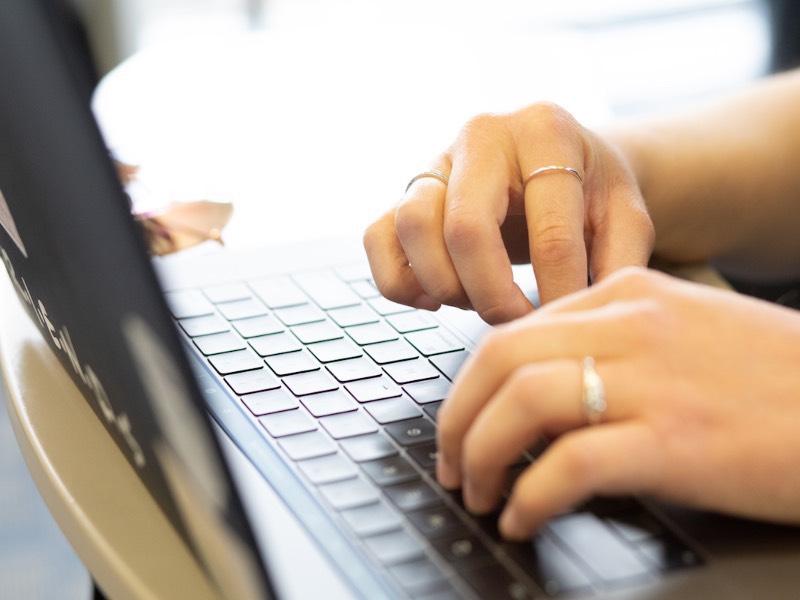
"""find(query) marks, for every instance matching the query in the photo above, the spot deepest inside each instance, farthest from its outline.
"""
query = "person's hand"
(454, 243)
(702, 388)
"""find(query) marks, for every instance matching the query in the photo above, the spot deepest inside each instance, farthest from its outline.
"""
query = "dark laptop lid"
(79, 264)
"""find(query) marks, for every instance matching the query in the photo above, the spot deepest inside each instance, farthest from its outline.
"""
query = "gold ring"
(541, 170)
(435, 173)
(594, 394)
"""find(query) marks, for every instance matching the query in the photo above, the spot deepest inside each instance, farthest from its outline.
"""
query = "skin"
(702, 385)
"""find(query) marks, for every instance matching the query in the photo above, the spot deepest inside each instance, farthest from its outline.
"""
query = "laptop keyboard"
(347, 385)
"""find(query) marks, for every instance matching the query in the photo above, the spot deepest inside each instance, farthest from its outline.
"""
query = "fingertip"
(512, 526)
(425, 302)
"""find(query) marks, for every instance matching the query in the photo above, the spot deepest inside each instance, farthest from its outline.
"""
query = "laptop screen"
(78, 263)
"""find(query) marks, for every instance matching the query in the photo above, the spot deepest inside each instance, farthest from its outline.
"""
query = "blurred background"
(648, 56)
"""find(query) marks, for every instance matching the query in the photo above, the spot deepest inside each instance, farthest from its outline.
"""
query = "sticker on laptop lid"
(7, 221)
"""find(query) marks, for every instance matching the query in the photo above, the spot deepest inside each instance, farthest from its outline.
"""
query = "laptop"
(234, 381)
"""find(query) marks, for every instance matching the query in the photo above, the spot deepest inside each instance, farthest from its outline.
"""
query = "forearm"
(723, 182)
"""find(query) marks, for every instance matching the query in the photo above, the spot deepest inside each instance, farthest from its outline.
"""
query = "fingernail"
(446, 475)
(511, 526)
(425, 302)
(473, 499)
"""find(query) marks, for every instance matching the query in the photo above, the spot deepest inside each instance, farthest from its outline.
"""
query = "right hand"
(454, 244)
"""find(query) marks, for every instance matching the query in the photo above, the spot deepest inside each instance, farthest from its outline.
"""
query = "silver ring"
(435, 173)
(541, 170)
(594, 393)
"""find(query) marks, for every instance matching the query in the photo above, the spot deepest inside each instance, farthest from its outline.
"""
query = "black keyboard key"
(205, 325)
(667, 553)
(271, 401)
(390, 471)
(392, 410)
(449, 364)
(242, 309)
(274, 344)
(390, 352)
(348, 424)
(368, 447)
(253, 381)
(354, 369)
(258, 326)
(373, 518)
(413, 495)
(335, 350)
(235, 362)
(369, 390)
(408, 371)
(327, 469)
(432, 410)
(589, 538)
(413, 431)
(394, 547)
(434, 341)
(350, 493)
(373, 333)
(547, 565)
(322, 331)
(314, 382)
(425, 392)
(287, 423)
(218, 343)
(464, 552)
(328, 403)
(494, 581)
(424, 455)
(438, 521)
(292, 363)
(307, 445)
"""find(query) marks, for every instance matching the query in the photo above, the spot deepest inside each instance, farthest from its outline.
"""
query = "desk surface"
(235, 120)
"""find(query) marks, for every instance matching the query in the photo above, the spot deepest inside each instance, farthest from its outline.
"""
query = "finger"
(613, 459)
(389, 265)
(419, 222)
(476, 206)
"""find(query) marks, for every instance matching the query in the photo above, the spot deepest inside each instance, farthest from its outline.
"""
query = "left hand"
(703, 404)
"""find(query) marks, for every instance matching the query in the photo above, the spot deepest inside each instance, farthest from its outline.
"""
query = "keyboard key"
(449, 364)
(419, 576)
(354, 369)
(353, 272)
(385, 307)
(292, 363)
(326, 289)
(190, 303)
(394, 547)
(272, 401)
(235, 362)
(413, 431)
(348, 424)
(257, 326)
(286, 423)
(373, 389)
(411, 370)
(434, 341)
(667, 553)
(586, 536)
(335, 350)
(413, 495)
(242, 309)
(548, 565)
(227, 292)
(321, 331)
(360, 314)
(425, 455)
(328, 403)
(368, 447)
(252, 381)
(371, 334)
(205, 325)
(307, 445)
(462, 551)
(438, 521)
(373, 518)
(389, 471)
(365, 289)
(313, 382)
(277, 343)
(392, 410)
(390, 352)
(278, 292)
(350, 493)
(327, 469)
(412, 321)
(493, 581)
(217, 343)
(432, 410)
(433, 390)
(299, 315)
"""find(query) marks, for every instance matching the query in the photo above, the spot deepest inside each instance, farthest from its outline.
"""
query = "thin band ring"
(541, 170)
(593, 399)
(434, 173)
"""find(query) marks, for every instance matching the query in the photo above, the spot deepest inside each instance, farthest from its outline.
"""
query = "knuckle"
(410, 218)
(577, 459)
(462, 230)
(551, 120)
(555, 243)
